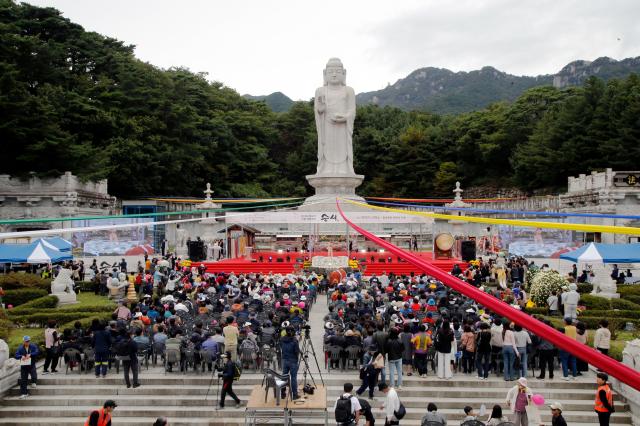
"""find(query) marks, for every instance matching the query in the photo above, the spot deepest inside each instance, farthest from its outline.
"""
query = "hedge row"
(601, 303)
(46, 302)
(592, 322)
(628, 290)
(61, 317)
(585, 288)
(74, 309)
(5, 325)
(23, 295)
(632, 298)
(86, 321)
(86, 286)
(611, 314)
(16, 280)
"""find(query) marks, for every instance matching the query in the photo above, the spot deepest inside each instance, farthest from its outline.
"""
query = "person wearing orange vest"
(102, 417)
(604, 399)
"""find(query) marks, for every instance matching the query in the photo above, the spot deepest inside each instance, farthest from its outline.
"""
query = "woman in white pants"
(444, 344)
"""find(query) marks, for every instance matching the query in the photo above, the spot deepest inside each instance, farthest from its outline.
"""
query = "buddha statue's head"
(334, 73)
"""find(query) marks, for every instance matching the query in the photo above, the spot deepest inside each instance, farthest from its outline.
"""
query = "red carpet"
(286, 263)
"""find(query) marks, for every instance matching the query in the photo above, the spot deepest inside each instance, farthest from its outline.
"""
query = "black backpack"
(121, 348)
(343, 410)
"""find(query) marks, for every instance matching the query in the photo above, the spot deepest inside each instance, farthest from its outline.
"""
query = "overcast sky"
(262, 46)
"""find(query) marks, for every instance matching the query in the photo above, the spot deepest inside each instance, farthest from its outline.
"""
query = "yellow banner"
(626, 230)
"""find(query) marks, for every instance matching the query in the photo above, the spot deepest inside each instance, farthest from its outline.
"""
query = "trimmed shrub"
(42, 318)
(75, 309)
(46, 302)
(595, 302)
(610, 313)
(628, 290)
(16, 280)
(585, 288)
(623, 304)
(86, 321)
(619, 323)
(23, 295)
(537, 311)
(632, 298)
(86, 286)
(5, 325)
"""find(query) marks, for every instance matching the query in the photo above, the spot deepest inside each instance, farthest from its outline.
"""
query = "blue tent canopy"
(14, 253)
(605, 253)
(55, 242)
(36, 252)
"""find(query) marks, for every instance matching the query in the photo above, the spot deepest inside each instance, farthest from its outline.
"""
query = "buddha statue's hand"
(338, 118)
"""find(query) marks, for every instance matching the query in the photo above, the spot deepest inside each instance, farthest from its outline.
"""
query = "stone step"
(204, 421)
(153, 411)
(337, 379)
(173, 400)
(152, 391)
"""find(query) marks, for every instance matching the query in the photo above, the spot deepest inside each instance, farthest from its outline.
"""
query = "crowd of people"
(395, 327)
(188, 319)
(389, 327)
(417, 323)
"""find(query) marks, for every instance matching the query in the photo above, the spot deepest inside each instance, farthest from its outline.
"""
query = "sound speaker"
(468, 250)
(196, 251)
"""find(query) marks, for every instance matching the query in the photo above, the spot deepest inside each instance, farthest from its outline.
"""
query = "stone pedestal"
(328, 187)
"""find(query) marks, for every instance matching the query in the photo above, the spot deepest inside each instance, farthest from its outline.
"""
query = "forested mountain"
(78, 101)
(277, 101)
(446, 92)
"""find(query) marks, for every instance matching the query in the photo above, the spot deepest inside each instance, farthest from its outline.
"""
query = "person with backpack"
(393, 408)
(127, 350)
(230, 372)
(347, 407)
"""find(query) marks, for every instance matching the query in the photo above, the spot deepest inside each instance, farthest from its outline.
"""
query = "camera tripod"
(306, 349)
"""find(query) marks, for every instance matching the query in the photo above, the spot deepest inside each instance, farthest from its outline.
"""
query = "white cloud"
(259, 47)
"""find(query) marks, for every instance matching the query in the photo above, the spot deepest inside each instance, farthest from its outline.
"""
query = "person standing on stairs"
(228, 374)
(604, 399)
(26, 354)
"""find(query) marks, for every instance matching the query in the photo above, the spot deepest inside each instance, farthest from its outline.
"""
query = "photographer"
(227, 375)
(290, 358)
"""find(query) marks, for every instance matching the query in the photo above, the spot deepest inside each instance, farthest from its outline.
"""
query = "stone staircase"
(67, 399)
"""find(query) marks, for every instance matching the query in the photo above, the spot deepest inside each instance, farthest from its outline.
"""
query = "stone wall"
(64, 196)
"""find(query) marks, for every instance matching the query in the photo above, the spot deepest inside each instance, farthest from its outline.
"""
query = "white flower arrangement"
(543, 284)
(531, 273)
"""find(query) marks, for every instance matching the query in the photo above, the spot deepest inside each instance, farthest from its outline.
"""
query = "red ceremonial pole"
(609, 365)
